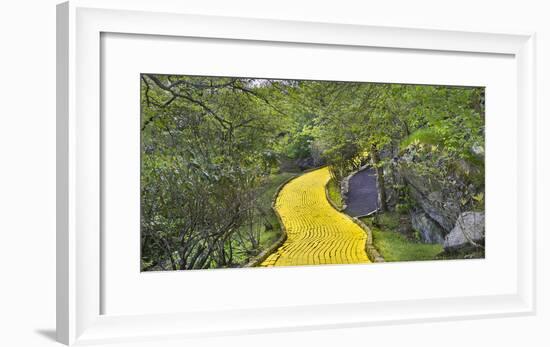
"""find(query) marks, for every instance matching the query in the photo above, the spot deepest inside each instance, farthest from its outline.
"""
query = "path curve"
(316, 232)
(362, 197)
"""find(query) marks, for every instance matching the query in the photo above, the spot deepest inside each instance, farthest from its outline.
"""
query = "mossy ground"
(334, 193)
(394, 246)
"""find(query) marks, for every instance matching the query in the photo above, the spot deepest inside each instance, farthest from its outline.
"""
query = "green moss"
(394, 246)
(334, 193)
(427, 136)
(387, 220)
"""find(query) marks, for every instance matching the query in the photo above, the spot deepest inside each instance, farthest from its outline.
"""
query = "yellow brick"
(317, 233)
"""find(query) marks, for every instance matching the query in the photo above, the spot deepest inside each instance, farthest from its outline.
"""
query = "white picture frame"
(80, 25)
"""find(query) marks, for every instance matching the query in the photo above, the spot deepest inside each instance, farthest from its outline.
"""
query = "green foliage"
(446, 172)
(334, 193)
(299, 146)
(402, 207)
(427, 136)
(204, 161)
(394, 246)
(215, 148)
(386, 221)
(268, 229)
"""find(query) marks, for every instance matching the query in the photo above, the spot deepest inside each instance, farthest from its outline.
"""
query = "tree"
(210, 144)
(204, 143)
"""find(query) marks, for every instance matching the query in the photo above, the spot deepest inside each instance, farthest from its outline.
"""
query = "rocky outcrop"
(469, 227)
(436, 201)
(436, 192)
(430, 231)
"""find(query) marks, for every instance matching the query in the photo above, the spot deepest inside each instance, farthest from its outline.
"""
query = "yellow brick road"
(317, 233)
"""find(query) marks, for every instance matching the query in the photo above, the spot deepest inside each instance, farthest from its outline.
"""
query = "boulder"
(469, 226)
(430, 230)
(437, 201)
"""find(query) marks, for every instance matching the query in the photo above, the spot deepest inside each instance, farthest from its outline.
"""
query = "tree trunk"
(379, 179)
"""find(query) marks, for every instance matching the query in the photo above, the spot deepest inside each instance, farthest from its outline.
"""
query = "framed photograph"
(253, 172)
(221, 175)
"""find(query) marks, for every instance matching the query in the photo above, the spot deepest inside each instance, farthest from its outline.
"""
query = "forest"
(234, 172)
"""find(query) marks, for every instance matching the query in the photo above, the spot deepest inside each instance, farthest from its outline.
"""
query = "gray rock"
(443, 210)
(436, 201)
(469, 226)
(478, 150)
(430, 231)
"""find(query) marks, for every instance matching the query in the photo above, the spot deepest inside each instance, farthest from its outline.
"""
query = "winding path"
(317, 233)
(362, 197)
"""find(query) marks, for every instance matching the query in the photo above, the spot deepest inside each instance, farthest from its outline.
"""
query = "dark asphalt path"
(362, 195)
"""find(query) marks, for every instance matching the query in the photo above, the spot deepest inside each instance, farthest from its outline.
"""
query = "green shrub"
(394, 246)
(334, 193)
(428, 136)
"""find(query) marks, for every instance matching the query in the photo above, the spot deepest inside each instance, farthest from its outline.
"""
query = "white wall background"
(27, 169)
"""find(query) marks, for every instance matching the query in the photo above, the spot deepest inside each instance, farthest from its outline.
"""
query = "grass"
(334, 193)
(311, 244)
(267, 236)
(394, 246)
